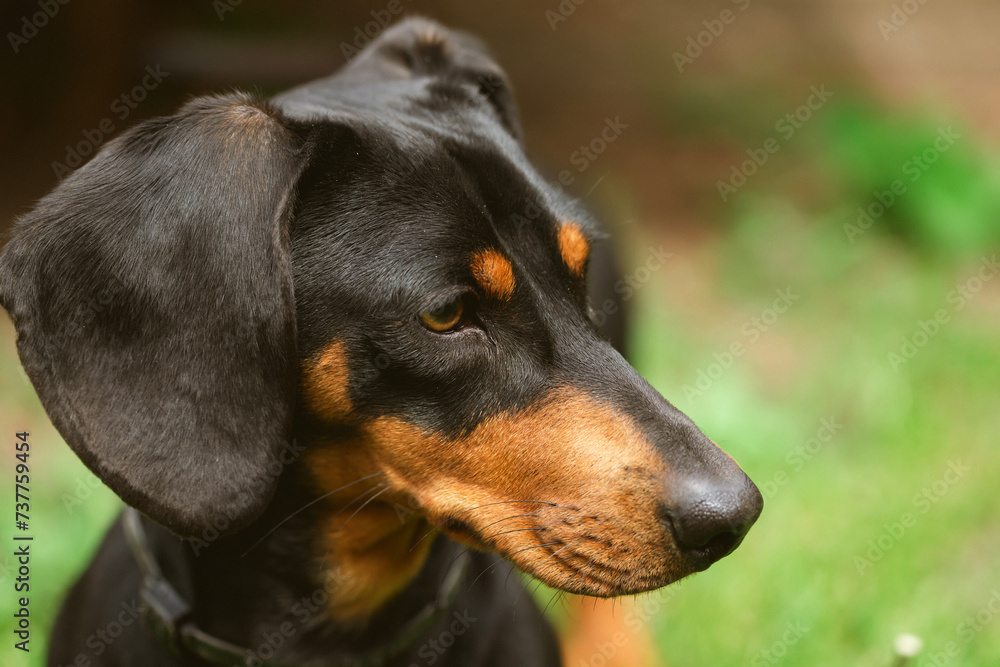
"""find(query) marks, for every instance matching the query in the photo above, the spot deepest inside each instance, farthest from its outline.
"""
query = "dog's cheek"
(569, 451)
(372, 539)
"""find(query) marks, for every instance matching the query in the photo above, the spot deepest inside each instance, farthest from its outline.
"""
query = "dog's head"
(369, 263)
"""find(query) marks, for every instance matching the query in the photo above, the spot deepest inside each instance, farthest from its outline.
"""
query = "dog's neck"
(326, 576)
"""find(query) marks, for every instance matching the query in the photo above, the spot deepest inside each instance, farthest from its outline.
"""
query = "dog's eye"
(445, 318)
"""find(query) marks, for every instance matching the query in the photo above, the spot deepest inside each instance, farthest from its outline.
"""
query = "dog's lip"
(606, 579)
(567, 569)
(463, 533)
(555, 561)
(563, 567)
(584, 573)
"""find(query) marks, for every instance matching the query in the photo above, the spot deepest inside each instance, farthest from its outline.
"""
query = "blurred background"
(807, 198)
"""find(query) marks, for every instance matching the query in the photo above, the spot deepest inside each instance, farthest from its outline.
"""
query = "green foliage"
(929, 183)
(69, 513)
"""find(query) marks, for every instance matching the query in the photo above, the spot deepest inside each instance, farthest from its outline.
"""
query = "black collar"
(169, 617)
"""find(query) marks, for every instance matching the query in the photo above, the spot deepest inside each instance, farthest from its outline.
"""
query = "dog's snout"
(709, 518)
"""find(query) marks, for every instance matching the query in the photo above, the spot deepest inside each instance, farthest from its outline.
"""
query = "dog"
(334, 329)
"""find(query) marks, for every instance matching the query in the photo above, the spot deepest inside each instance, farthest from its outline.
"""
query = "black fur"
(168, 294)
(157, 224)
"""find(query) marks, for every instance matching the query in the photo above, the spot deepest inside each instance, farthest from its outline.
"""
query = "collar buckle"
(167, 615)
(164, 612)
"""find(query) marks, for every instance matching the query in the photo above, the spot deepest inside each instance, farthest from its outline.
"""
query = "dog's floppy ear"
(426, 48)
(152, 297)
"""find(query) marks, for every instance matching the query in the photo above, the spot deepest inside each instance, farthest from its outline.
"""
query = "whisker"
(559, 595)
(506, 580)
(307, 505)
(435, 528)
(375, 491)
(558, 561)
(513, 516)
(426, 535)
(536, 546)
(565, 546)
(538, 584)
(504, 502)
(517, 530)
(491, 567)
(384, 488)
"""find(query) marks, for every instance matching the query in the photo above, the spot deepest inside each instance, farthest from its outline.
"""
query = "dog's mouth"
(572, 492)
(566, 548)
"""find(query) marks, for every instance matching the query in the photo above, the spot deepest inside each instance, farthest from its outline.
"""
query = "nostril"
(719, 545)
(697, 525)
(710, 523)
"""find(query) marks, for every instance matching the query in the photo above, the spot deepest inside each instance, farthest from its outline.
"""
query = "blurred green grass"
(898, 433)
(825, 358)
(829, 555)
(70, 509)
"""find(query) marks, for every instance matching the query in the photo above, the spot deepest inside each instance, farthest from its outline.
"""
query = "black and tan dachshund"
(310, 337)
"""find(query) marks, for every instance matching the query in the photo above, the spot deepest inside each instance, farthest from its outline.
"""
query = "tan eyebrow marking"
(574, 247)
(494, 273)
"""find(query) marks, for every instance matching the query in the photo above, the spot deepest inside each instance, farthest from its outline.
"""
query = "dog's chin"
(572, 567)
(584, 575)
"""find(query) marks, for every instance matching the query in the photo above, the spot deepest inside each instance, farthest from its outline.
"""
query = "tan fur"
(598, 624)
(324, 384)
(573, 247)
(567, 489)
(494, 273)
(373, 554)
(582, 473)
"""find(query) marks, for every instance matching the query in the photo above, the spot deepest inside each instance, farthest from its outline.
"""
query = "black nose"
(709, 518)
